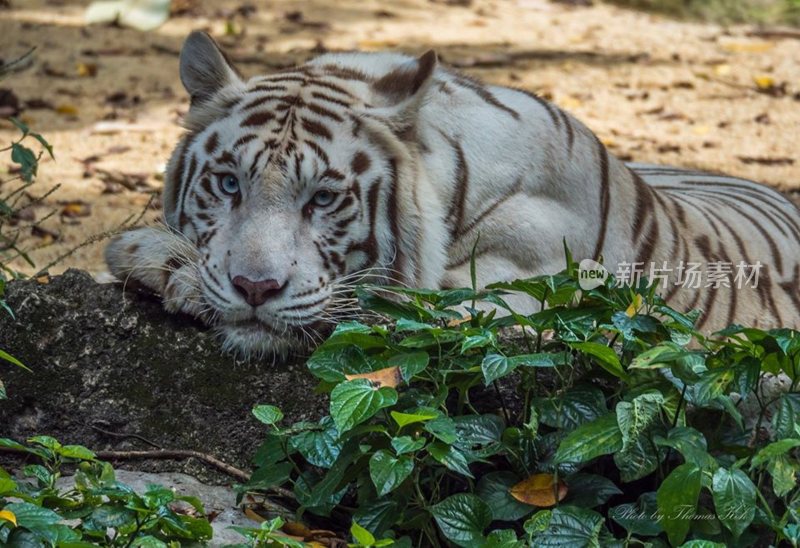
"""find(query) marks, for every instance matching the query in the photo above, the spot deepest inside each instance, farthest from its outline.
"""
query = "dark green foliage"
(100, 510)
(434, 417)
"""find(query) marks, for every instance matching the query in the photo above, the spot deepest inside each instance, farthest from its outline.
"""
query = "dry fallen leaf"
(250, 513)
(376, 44)
(46, 236)
(748, 47)
(389, 376)
(764, 82)
(539, 490)
(76, 209)
(297, 529)
(456, 323)
(67, 110)
(86, 69)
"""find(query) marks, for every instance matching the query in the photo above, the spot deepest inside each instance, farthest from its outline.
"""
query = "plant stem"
(502, 402)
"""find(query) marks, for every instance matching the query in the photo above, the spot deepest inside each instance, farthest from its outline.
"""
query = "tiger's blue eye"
(228, 183)
(323, 198)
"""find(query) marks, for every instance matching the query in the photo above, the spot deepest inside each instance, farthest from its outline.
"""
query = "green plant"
(12, 202)
(268, 534)
(16, 199)
(100, 510)
(604, 419)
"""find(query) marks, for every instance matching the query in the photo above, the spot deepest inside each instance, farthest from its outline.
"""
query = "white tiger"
(288, 188)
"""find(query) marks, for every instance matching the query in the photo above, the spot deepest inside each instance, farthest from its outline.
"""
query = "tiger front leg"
(162, 261)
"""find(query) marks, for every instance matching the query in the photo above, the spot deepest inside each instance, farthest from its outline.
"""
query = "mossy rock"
(113, 360)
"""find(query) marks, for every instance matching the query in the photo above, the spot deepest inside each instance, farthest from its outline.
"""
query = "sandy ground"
(655, 90)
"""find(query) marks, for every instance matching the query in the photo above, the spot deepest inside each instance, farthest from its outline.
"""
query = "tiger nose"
(256, 293)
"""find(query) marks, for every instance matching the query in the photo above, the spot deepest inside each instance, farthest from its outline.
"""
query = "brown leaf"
(748, 47)
(456, 323)
(67, 109)
(38, 104)
(86, 69)
(47, 236)
(539, 490)
(389, 376)
(44, 279)
(767, 85)
(297, 529)
(250, 513)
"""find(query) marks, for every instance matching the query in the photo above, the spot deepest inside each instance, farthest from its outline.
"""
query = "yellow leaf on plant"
(9, 516)
(389, 376)
(634, 306)
(540, 490)
(764, 82)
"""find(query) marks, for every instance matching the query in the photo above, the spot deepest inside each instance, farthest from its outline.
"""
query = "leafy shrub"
(605, 419)
(101, 510)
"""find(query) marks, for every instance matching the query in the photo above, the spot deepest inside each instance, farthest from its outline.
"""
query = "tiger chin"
(289, 189)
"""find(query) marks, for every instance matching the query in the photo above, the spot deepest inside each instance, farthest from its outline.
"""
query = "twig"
(176, 454)
(775, 33)
(124, 435)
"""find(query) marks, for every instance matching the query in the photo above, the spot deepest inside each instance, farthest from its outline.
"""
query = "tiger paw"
(162, 261)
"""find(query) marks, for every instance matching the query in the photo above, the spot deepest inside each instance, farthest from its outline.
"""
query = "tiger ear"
(399, 94)
(204, 68)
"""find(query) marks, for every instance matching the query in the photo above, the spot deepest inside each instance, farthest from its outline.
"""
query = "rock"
(106, 359)
(218, 502)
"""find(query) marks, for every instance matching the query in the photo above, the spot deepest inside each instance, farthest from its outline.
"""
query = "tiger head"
(295, 185)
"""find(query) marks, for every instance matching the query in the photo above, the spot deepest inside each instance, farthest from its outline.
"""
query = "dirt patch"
(655, 90)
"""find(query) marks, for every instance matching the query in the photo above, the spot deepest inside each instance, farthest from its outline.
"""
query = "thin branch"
(127, 223)
(176, 454)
